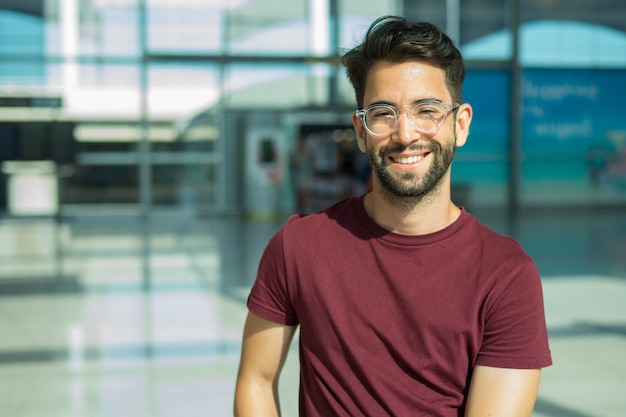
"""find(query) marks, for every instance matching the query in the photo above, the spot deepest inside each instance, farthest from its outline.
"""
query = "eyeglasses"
(426, 117)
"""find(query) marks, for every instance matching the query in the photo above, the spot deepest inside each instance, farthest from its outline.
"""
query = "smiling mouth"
(406, 160)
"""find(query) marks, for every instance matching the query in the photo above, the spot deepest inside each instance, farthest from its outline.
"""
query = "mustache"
(420, 147)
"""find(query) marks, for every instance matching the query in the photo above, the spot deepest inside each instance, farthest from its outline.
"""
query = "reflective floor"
(86, 332)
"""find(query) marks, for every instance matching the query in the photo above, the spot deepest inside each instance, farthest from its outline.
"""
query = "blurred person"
(406, 304)
(601, 155)
(347, 168)
(303, 169)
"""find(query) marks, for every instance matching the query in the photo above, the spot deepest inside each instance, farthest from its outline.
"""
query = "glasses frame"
(360, 113)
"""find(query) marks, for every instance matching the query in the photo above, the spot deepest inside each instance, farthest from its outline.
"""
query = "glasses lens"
(381, 120)
(428, 117)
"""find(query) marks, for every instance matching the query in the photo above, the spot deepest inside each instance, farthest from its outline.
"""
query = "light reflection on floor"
(96, 342)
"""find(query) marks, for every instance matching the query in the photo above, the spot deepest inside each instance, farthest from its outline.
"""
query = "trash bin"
(33, 192)
(32, 188)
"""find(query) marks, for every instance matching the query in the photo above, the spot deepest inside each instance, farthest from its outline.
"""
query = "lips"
(405, 160)
(408, 159)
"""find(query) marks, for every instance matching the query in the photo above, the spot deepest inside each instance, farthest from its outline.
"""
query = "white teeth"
(409, 160)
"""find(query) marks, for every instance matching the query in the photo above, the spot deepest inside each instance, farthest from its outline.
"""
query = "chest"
(407, 295)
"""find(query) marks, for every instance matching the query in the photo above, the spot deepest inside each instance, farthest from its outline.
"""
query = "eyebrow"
(428, 100)
(415, 102)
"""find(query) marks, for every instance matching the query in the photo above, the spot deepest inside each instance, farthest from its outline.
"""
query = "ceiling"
(610, 13)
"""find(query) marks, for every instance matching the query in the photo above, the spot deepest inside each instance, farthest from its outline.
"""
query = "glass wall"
(573, 137)
(482, 164)
(155, 102)
(573, 141)
(568, 149)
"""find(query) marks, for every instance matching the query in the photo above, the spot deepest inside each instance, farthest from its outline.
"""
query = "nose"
(405, 130)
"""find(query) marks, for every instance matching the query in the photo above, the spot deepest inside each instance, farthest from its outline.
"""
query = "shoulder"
(319, 231)
(498, 260)
(492, 241)
(334, 216)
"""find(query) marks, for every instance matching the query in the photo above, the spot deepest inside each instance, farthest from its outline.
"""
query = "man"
(407, 305)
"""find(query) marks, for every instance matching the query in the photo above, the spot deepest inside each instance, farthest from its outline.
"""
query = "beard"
(411, 186)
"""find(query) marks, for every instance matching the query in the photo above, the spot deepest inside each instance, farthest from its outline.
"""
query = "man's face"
(408, 163)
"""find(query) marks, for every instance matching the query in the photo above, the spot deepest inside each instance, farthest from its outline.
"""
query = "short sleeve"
(515, 334)
(269, 296)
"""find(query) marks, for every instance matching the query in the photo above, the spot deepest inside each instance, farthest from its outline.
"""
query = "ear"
(360, 132)
(463, 121)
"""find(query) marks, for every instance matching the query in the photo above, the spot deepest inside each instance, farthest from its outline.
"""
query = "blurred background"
(149, 148)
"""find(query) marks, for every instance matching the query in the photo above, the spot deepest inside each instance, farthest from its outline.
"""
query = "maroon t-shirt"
(392, 325)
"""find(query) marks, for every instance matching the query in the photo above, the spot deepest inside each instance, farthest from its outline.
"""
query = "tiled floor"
(104, 340)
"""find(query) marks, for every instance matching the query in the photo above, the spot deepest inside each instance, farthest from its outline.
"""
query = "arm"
(264, 350)
(502, 392)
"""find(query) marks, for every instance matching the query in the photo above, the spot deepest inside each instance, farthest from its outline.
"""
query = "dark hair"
(395, 39)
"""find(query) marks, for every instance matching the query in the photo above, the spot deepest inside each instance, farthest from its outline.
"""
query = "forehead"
(406, 82)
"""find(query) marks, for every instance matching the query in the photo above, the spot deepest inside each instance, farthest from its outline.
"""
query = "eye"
(381, 112)
(428, 111)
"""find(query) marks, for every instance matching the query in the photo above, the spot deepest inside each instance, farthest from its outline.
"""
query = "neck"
(412, 215)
